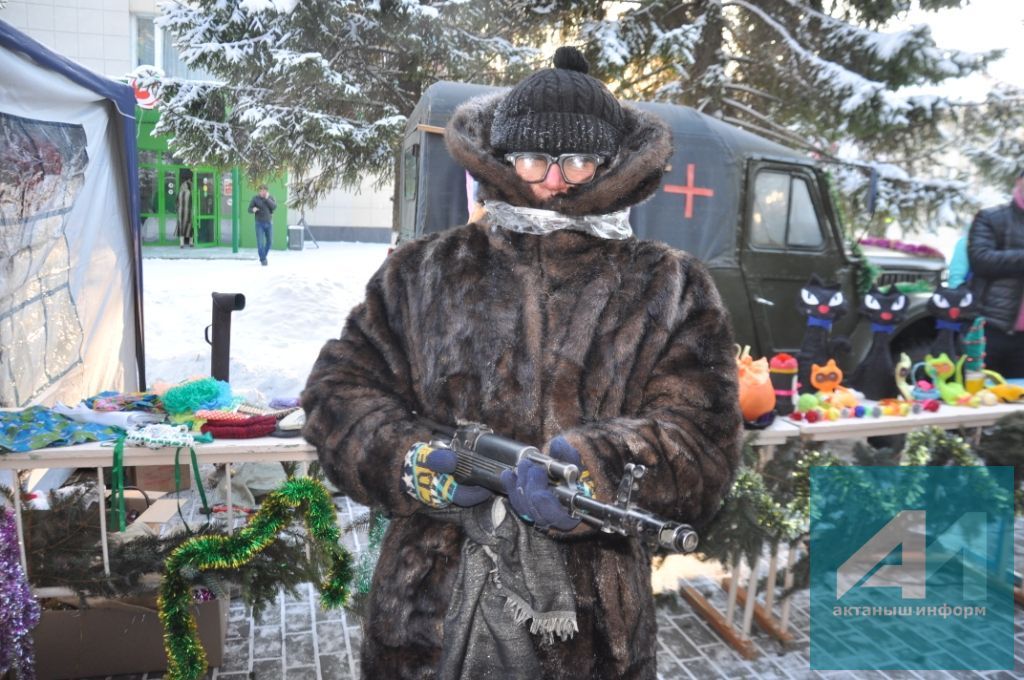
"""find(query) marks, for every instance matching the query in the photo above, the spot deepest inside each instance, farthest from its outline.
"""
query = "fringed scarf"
(509, 574)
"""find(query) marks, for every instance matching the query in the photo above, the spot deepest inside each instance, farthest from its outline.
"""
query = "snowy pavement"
(292, 307)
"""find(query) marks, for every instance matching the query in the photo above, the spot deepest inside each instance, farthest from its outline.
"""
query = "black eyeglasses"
(533, 166)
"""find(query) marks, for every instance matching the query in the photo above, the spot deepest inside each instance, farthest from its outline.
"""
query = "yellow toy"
(1003, 390)
(904, 381)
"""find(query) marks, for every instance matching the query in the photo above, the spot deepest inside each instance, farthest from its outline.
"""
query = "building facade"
(113, 37)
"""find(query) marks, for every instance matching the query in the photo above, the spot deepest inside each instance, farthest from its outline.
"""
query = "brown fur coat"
(622, 346)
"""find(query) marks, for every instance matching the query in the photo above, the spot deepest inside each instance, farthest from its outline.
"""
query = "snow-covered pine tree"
(820, 75)
(995, 135)
(321, 88)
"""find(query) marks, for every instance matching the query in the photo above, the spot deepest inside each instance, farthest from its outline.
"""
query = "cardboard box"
(160, 512)
(161, 477)
(116, 637)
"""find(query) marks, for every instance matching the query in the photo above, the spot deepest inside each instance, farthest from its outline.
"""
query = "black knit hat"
(559, 110)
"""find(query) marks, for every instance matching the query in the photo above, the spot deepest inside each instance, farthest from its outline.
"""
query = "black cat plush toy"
(822, 304)
(875, 375)
(950, 307)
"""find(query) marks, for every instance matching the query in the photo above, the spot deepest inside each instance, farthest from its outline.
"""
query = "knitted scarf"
(509, 574)
(613, 226)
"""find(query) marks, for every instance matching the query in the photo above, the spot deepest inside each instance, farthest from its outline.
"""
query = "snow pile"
(292, 307)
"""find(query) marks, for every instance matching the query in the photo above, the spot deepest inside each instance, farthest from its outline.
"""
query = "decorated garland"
(185, 655)
(19, 611)
(769, 507)
(935, 446)
(902, 246)
(867, 273)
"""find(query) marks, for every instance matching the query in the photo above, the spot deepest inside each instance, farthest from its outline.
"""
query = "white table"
(100, 455)
(782, 430)
(947, 417)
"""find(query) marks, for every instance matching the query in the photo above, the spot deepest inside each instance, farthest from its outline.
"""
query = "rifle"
(481, 457)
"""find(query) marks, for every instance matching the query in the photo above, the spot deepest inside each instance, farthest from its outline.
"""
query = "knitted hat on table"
(559, 110)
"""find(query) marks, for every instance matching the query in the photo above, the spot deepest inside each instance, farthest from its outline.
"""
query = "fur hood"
(629, 178)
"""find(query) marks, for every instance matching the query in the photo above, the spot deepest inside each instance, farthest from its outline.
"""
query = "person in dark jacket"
(263, 206)
(995, 250)
(548, 321)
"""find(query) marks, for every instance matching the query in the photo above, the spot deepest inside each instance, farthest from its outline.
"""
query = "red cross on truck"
(689, 189)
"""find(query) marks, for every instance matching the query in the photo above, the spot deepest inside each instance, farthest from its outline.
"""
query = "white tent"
(70, 277)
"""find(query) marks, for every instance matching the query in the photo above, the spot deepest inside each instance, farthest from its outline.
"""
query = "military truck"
(758, 214)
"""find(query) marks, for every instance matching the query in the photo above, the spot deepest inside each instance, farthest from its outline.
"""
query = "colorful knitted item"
(222, 416)
(206, 393)
(435, 489)
(160, 435)
(37, 427)
(253, 426)
(127, 401)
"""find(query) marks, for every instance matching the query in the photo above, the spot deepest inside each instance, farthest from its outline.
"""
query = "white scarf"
(536, 221)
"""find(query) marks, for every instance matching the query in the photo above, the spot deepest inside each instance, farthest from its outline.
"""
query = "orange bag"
(757, 396)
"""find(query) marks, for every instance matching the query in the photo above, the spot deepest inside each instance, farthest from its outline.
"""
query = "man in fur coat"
(549, 322)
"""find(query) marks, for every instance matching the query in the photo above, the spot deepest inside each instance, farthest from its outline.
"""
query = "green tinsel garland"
(770, 508)
(185, 655)
(867, 271)
(935, 446)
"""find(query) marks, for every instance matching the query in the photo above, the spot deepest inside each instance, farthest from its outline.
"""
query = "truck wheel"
(914, 347)
(896, 442)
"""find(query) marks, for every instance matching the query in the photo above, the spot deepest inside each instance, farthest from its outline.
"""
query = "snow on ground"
(292, 307)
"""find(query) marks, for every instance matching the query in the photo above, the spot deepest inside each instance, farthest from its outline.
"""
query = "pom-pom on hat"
(559, 110)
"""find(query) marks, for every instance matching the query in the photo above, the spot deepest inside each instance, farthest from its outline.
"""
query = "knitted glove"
(532, 498)
(426, 476)
(562, 450)
(530, 495)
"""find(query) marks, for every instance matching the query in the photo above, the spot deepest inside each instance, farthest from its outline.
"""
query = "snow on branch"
(858, 91)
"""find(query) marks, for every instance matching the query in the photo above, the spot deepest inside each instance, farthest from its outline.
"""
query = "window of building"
(154, 46)
(143, 41)
(784, 213)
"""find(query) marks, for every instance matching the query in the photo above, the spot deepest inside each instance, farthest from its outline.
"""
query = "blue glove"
(427, 478)
(532, 499)
(562, 450)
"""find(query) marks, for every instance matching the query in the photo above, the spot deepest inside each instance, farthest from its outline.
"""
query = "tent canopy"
(70, 255)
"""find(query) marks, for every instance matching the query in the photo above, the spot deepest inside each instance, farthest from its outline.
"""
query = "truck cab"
(758, 214)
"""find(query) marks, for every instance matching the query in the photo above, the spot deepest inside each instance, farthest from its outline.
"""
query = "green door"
(170, 181)
(204, 208)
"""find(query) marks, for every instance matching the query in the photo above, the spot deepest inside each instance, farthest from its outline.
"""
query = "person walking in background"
(183, 230)
(549, 321)
(263, 206)
(995, 250)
